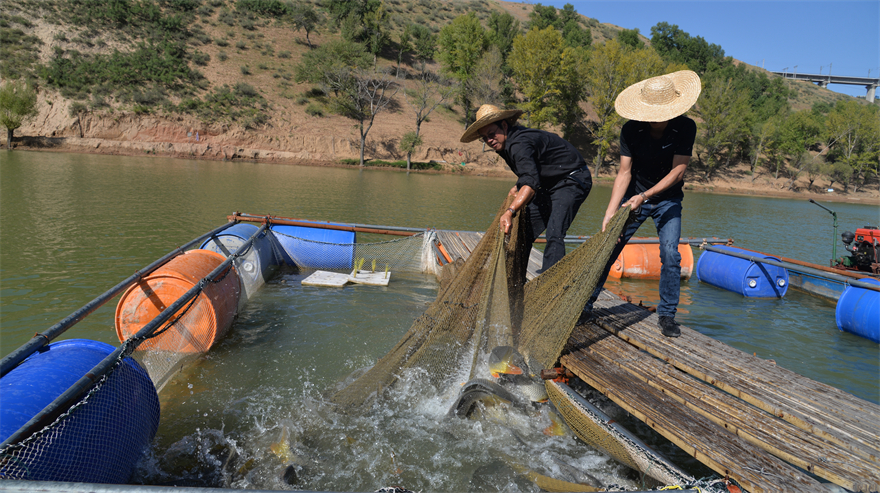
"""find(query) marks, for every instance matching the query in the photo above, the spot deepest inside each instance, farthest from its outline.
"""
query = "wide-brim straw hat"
(659, 98)
(487, 114)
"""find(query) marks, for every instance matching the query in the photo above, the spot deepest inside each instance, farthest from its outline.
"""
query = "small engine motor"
(864, 247)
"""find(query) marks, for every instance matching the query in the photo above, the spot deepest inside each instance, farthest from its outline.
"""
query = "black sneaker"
(669, 326)
(585, 317)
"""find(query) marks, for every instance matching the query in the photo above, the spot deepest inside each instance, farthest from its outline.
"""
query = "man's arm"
(522, 197)
(621, 183)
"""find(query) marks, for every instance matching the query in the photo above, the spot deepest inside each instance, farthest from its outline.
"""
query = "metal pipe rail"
(70, 396)
(405, 231)
(796, 268)
(39, 340)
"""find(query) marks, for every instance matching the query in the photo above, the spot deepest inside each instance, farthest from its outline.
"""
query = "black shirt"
(652, 158)
(538, 158)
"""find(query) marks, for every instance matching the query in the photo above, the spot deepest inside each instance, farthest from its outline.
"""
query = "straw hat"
(659, 98)
(485, 115)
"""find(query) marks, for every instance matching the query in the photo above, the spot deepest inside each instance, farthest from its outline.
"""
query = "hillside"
(285, 121)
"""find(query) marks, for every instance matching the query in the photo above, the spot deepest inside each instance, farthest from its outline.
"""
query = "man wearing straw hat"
(553, 179)
(655, 147)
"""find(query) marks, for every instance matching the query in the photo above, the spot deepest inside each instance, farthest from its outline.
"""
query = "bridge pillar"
(822, 83)
(870, 96)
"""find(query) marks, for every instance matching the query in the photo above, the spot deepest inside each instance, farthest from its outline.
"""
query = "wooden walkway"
(742, 416)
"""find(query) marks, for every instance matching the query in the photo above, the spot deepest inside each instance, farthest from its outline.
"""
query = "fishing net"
(404, 254)
(488, 304)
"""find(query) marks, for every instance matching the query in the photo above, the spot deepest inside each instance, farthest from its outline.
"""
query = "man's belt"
(578, 180)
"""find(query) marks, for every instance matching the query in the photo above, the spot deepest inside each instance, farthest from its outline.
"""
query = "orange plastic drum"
(642, 261)
(206, 321)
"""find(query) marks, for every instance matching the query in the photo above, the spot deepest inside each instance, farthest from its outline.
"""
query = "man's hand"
(506, 221)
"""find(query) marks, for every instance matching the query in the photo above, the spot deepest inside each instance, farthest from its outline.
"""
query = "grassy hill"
(228, 74)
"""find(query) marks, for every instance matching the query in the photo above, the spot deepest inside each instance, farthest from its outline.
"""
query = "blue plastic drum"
(750, 279)
(100, 441)
(316, 248)
(257, 266)
(858, 311)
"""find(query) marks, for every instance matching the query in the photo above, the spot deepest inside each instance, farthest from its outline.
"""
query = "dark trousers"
(667, 218)
(553, 210)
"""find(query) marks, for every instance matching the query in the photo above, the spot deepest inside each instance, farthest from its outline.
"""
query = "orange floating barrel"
(642, 261)
(205, 322)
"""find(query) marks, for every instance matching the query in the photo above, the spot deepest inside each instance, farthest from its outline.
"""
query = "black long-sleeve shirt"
(539, 158)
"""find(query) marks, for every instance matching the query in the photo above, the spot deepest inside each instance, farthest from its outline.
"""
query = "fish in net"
(487, 305)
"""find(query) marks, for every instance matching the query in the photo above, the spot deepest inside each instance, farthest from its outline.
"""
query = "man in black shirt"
(553, 178)
(655, 147)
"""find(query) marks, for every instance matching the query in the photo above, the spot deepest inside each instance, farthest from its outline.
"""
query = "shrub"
(201, 58)
(263, 66)
(245, 70)
(221, 42)
(301, 100)
(244, 90)
(222, 56)
(315, 110)
(284, 54)
(240, 45)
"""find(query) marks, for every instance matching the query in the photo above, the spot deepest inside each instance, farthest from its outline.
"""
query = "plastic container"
(642, 261)
(256, 267)
(102, 440)
(858, 311)
(204, 323)
(316, 248)
(750, 279)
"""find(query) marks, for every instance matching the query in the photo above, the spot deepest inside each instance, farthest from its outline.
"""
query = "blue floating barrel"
(750, 279)
(258, 264)
(102, 440)
(858, 311)
(316, 248)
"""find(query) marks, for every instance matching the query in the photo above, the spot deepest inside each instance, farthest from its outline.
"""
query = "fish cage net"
(488, 304)
(99, 439)
(405, 254)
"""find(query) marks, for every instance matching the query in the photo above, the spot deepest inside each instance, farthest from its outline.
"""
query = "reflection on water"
(75, 225)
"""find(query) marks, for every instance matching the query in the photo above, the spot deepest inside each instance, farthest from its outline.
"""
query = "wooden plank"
(453, 245)
(326, 279)
(725, 453)
(825, 411)
(759, 428)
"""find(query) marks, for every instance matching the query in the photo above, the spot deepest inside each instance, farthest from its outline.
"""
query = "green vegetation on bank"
(147, 55)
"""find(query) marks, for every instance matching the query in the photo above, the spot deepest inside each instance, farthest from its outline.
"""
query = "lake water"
(72, 226)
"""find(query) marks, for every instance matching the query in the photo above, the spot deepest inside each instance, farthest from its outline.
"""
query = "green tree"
(542, 17)
(424, 43)
(723, 113)
(611, 68)
(304, 17)
(853, 133)
(423, 99)
(572, 32)
(677, 46)
(800, 132)
(77, 110)
(332, 64)
(630, 37)
(18, 102)
(503, 28)
(461, 44)
(763, 133)
(404, 45)
(485, 86)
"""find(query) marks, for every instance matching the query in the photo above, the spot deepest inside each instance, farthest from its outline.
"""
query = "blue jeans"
(667, 219)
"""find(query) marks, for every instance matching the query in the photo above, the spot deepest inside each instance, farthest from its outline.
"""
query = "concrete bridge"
(870, 84)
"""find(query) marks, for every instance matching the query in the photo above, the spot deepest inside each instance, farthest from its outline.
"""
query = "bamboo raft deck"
(742, 416)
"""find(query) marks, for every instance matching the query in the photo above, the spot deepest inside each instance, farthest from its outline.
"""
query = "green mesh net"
(488, 304)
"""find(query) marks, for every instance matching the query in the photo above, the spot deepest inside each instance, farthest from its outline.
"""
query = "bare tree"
(428, 93)
(366, 94)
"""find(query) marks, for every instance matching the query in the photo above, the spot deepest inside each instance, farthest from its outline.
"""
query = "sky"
(814, 36)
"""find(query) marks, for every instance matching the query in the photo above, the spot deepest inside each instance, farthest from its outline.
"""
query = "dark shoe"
(585, 317)
(669, 326)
